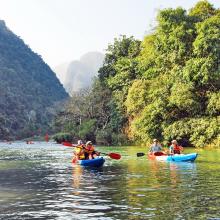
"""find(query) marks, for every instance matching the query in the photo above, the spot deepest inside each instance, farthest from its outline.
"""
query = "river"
(38, 181)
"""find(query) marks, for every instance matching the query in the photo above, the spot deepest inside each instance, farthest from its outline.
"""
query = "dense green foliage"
(61, 137)
(28, 89)
(165, 87)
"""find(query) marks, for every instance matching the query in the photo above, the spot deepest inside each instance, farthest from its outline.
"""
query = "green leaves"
(202, 10)
(123, 47)
(137, 97)
(180, 64)
(200, 132)
(174, 36)
(183, 97)
(207, 42)
(200, 71)
(213, 107)
(87, 129)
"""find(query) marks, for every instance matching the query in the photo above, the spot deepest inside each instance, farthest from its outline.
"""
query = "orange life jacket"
(89, 149)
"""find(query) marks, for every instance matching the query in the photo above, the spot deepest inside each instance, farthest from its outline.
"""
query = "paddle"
(155, 153)
(111, 155)
(68, 144)
(140, 154)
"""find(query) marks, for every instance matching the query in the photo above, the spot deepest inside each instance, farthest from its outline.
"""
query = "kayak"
(175, 157)
(97, 162)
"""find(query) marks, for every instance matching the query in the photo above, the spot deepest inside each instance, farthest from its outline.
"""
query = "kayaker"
(155, 147)
(175, 148)
(90, 152)
(46, 137)
(80, 150)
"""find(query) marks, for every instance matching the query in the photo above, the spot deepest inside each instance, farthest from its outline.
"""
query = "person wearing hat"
(155, 147)
(175, 148)
(90, 152)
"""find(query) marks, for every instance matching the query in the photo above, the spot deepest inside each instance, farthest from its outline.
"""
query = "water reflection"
(39, 182)
(77, 176)
(95, 190)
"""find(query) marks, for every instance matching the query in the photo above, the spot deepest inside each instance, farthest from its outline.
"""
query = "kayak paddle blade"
(66, 143)
(140, 154)
(158, 153)
(114, 156)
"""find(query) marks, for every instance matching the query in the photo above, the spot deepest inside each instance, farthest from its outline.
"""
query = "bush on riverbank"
(61, 137)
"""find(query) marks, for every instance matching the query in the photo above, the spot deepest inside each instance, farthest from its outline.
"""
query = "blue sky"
(63, 30)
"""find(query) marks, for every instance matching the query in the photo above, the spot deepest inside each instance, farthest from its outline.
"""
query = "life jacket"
(80, 152)
(89, 149)
(176, 149)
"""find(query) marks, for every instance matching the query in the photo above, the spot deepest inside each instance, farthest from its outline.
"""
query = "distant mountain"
(28, 88)
(79, 73)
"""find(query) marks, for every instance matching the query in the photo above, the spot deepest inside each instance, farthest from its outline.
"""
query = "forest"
(166, 86)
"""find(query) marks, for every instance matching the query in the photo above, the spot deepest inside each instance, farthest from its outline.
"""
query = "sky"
(63, 30)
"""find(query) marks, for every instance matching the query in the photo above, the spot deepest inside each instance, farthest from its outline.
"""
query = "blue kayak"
(182, 157)
(176, 157)
(97, 162)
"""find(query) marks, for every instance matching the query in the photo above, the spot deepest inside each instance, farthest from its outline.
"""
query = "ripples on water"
(39, 182)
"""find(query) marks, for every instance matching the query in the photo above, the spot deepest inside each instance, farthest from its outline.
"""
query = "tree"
(180, 63)
(202, 10)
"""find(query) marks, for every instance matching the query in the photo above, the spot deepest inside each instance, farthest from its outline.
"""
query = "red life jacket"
(177, 149)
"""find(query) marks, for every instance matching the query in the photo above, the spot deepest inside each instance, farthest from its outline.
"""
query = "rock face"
(79, 73)
(28, 88)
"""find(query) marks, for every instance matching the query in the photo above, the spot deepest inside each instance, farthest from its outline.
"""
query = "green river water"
(38, 181)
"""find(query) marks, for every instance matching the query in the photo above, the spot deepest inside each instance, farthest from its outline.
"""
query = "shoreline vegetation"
(166, 86)
(37, 140)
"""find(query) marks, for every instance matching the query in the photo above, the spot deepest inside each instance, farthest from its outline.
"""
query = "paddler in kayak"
(175, 148)
(90, 152)
(79, 150)
(155, 147)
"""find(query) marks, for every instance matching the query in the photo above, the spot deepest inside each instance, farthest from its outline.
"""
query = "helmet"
(155, 140)
(88, 143)
(80, 142)
(174, 142)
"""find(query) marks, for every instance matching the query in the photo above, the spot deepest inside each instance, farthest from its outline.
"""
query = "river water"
(38, 181)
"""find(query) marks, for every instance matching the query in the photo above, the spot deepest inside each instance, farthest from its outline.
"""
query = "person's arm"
(180, 148)
(171, 149)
